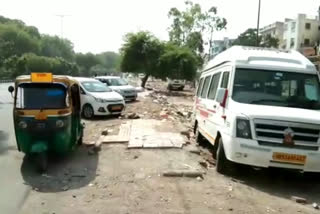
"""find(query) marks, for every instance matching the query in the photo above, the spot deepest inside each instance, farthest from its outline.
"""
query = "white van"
(98, 99)
(260, 107)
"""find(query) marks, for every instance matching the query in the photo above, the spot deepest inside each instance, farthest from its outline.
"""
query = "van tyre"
(223, 165)
(87, 111)
(199, 137)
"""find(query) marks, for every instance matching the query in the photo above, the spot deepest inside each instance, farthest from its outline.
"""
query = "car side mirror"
(11, 89)
(222, 95)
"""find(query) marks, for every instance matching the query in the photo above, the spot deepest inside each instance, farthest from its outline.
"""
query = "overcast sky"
(99, 25)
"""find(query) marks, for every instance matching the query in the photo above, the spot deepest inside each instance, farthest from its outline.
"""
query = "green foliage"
(24, 50)
(53, 46)
(247, 38)
(30, 62)
(144, 53)
(15, 41)
(140, 53)
(178, 62)
(270, 42)
(194, 28)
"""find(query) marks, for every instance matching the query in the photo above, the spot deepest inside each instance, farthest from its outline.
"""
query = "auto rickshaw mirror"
(11, 89)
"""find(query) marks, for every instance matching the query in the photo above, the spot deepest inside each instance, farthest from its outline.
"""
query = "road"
(13, 190)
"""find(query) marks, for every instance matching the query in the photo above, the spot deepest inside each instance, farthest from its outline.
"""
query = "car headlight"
(23, 125)
(243, 128)
(118, 91)
(100, 100)
(59, 123)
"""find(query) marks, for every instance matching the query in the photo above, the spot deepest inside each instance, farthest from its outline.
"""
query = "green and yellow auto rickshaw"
(46, 115)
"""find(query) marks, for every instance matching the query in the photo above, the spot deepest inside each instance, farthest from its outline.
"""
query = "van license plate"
(289, 158)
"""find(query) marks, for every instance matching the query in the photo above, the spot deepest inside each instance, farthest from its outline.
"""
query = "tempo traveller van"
(260, 107)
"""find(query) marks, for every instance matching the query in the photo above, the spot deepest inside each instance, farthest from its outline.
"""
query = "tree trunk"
(144, 80)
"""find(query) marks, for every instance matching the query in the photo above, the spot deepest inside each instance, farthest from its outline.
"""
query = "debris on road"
(183, 173)
(133, 116)
(299, 199)
(105, 132)
(315, 206)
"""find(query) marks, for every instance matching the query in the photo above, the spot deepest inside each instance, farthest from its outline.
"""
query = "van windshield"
(276, 88)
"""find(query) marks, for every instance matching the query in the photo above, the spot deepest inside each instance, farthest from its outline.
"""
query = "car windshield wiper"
(265, 100)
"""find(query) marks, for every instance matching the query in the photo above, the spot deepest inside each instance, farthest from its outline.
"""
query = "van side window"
(205, 87)
(214, 86)
(225, 80)
(200, 87)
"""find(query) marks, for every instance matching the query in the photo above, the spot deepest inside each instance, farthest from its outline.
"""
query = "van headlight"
(243, 128)
(23, 125)
(59, 124)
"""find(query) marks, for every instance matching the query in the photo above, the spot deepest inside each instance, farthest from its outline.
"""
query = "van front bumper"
(249, 152)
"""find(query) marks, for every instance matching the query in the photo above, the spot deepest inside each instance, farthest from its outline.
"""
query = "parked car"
(176, 84)
(260, 107)
(98, 99)
(119, 85)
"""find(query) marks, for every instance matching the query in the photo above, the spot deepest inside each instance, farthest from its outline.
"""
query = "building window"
(293, 27)
(306, 42)
(292, 43)
(308, 26)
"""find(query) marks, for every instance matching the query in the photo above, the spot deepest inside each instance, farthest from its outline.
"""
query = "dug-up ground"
(167, 180)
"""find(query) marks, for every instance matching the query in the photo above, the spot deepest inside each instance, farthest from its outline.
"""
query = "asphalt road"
(13, 190)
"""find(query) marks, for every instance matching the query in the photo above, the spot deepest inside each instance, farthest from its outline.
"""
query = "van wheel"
(199, 137)
(223, 165)
(87, 111)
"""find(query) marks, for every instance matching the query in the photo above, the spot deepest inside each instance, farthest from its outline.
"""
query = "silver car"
(119, 85)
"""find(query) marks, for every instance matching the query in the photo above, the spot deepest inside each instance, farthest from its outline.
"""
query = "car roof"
(84, 79)
(107, 77)
(262, 57)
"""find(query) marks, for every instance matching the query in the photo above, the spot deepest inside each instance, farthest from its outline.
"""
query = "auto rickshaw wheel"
(41, 160)
(87, 111)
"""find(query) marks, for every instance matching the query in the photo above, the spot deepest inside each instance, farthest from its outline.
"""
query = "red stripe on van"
(204, 113)
(212, 111)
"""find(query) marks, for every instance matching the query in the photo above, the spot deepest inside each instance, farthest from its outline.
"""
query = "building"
(274, 30)
(220, 45)
(302, 32)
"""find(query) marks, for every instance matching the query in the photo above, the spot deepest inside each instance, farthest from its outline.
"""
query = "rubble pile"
(182, 113)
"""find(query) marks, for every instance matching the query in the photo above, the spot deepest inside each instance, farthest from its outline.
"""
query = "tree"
(53, 46)
(30, 62)
(140, 54)
(15, 41)
(270, 42)
(85, 62)
(247, 38)
(194, 28)
(178, 62)
(110, 61)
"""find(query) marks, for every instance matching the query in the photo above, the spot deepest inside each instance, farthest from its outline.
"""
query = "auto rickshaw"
(47, 115)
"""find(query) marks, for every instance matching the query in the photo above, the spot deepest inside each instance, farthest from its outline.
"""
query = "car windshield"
(276, 88)
(41, 96)
(95, 86)
(116, 82)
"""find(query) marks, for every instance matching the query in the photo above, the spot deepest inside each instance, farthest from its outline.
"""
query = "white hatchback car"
(98, 99)
(119, 85)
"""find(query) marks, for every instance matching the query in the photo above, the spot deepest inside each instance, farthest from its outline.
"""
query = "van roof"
(263, 57)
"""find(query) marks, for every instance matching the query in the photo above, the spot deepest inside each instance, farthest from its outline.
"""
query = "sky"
(99, 25)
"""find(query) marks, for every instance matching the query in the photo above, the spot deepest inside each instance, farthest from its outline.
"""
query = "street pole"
(61, 24)
(258, 23)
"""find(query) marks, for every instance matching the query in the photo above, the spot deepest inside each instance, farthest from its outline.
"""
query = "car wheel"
(223, 165)
(87, 111)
